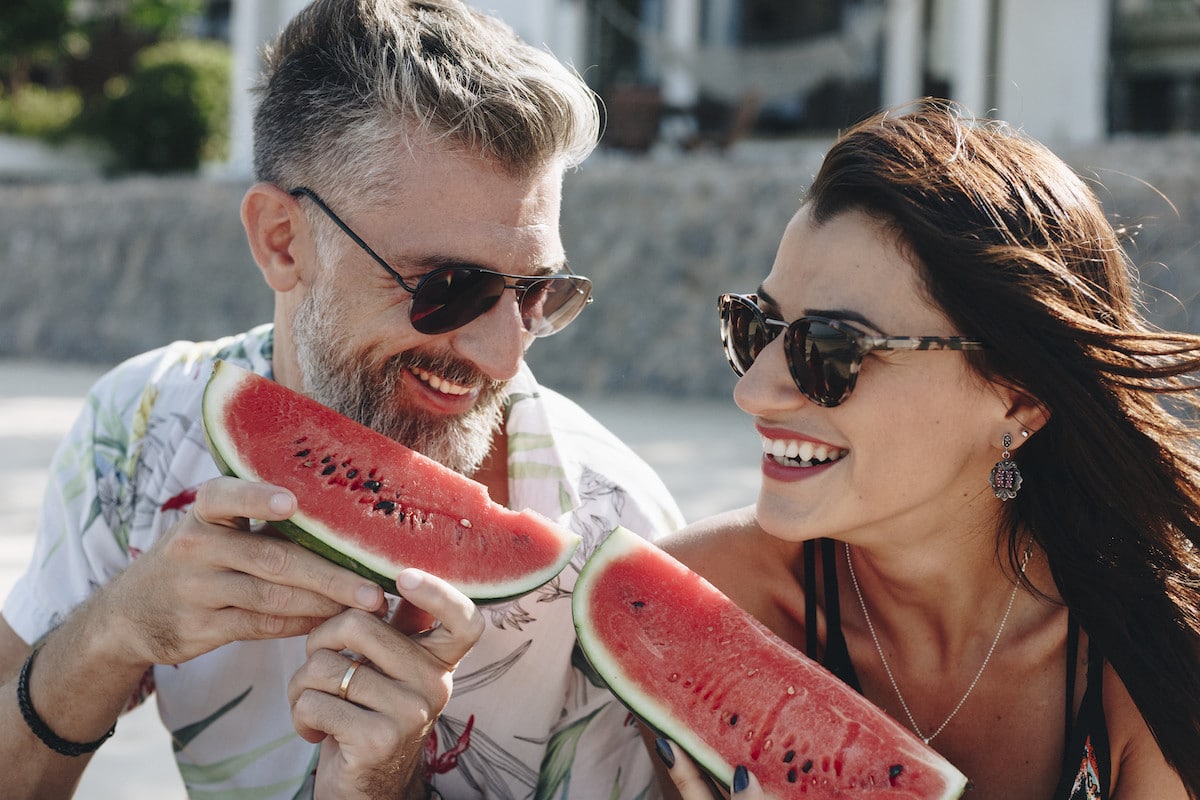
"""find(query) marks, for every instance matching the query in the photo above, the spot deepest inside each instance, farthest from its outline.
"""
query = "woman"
(979, 503)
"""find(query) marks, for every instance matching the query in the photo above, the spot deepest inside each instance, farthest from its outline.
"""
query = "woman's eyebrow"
(843, 314)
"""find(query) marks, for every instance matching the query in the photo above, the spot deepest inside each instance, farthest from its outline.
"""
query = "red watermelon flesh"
(710, 677)
(370, 503)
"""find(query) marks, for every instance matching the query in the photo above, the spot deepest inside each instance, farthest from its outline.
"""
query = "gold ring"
(344, 688)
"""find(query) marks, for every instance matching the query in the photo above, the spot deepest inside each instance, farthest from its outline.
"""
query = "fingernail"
(408, 579)
(281, 503)
(741, 779)
(663, 748)
(367, 596)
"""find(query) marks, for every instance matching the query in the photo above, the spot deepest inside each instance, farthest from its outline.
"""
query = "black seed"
(332, 468)
(791, 776)
(374, 486)
(638, 604)
(352, 474)
(303, 453)
(326, 459)
(788, 756)
(733, 720)
(386, 506)
(806, 766)
(894, 771)
(345, 463)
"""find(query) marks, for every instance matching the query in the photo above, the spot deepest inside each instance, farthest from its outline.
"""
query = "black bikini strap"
(1072, 668)
(833, 607)
(810, 598)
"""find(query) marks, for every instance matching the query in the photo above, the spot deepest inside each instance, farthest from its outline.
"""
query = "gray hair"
(348, 81)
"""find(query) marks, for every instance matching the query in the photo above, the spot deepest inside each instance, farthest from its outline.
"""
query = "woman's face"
(910, 449)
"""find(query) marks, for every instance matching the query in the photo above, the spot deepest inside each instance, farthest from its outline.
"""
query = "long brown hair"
(1016, 249)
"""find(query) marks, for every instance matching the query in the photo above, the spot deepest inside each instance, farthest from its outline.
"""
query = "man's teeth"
(438, 383)
(790, 452)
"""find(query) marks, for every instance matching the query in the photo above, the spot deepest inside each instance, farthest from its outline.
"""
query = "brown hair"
(1015, 248)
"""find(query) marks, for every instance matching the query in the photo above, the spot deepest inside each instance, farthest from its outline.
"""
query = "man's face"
(354, 344)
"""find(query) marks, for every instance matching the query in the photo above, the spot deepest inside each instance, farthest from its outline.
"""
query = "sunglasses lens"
(549, 305)
(450, 298)
(742, 331)
(822, 360)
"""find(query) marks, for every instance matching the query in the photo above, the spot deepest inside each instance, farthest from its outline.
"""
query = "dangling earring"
(1005, 479)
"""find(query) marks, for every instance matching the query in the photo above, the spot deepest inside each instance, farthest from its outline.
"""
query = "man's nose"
(495, 342)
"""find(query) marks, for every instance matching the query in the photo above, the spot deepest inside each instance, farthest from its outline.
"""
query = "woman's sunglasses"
(823, 355)
(449, 297)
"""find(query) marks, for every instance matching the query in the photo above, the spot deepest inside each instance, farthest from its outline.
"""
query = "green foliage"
(172, 112)
(39, 112)
(31, 33)
(158, 18)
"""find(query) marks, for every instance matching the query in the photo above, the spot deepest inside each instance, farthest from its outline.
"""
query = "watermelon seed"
(788, 756)
(303, 453)
(326, 459)
(674, 676)
(307, 464)
(791, 690)
(352, 474)
(733, 720)
(638, 604)
(807, 766)
(345, 463)
(329, 470)
(386, 506)
(752, 673)
(791, 775)
(894, 772)
(374, 486)
(466, 523)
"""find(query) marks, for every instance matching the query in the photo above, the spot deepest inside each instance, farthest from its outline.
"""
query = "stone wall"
(98, 271)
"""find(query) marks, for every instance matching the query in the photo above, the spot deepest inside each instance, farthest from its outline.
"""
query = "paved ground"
(706, 452)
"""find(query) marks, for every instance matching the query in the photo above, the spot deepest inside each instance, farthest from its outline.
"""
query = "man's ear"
(274, 225)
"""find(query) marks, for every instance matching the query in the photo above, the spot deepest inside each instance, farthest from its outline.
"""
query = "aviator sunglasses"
(449, 297)
(823, 355)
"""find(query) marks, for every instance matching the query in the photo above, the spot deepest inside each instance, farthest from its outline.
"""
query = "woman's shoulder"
(1139, 768)
(750, 566)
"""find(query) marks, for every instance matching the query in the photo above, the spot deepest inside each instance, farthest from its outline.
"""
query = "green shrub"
(39, 112)
(172, 112)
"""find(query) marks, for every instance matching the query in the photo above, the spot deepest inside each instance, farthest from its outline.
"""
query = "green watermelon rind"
(312, 535)
(654, 714)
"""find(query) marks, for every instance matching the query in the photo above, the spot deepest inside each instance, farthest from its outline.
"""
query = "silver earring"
(1005, 478)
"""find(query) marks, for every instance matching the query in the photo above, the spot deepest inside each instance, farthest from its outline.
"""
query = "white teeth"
(440, 384)
(793, 452)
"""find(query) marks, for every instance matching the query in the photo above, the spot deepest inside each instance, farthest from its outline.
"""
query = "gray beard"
(374, 393)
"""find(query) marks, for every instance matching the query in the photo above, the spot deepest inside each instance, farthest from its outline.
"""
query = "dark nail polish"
(741, 779)
(663, 748)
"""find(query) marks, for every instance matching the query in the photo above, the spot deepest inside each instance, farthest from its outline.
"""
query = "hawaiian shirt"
(524, 720)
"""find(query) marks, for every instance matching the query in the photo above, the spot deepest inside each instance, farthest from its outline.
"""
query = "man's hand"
(372, 722)
(211, 581)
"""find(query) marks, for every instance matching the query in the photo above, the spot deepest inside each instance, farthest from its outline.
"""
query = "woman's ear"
(274, 226)
(1027, 416)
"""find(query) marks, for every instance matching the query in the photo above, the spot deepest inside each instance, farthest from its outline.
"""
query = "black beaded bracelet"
(41, 729)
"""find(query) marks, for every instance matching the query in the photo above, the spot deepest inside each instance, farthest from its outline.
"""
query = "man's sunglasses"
(449, 297)
(823, 355)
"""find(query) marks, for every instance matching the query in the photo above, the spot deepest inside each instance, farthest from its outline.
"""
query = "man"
(410, 159)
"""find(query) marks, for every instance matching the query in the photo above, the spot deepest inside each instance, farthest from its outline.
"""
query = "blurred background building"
(717, 115)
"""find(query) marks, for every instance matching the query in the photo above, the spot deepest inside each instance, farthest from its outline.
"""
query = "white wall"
(1052, 60)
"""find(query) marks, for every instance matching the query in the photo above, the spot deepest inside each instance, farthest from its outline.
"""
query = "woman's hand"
(372, 712)
(692, 784)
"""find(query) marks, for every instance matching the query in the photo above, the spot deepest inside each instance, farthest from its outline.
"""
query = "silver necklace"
(886, 668)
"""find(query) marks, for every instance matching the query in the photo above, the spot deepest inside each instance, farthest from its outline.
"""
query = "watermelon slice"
(369, 503)
(710, 677)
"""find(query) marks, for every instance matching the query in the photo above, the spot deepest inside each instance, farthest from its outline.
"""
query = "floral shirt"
(524, 720)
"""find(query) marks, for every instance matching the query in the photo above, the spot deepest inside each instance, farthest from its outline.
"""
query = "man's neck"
(493, 472)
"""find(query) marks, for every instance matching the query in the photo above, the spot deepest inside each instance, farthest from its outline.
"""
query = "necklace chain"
(886, 668)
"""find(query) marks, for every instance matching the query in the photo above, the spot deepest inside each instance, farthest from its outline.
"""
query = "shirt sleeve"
(82, 535)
